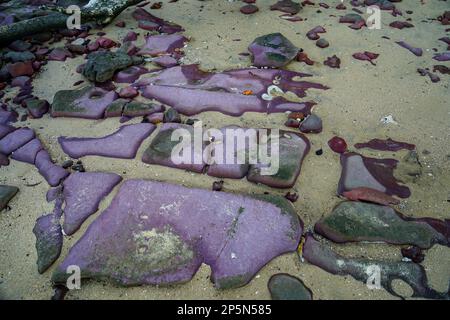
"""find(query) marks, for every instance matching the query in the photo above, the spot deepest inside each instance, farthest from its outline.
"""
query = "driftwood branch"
(100, 11)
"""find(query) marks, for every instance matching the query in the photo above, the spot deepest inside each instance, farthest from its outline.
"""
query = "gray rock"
(102, 65)
(6, 194)
(286, 287)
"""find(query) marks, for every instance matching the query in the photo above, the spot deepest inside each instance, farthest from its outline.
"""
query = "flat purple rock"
(413, 274)
(191, 91)
(83, 192)
(49, 240)
(52, 173)
(238, 169)
(28, 152)
(159, 233)
(163, 44)
(359, 171)
(15, 140)
(88, 102)
(123, 143)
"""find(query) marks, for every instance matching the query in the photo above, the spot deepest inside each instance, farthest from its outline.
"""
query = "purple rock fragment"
(165, 61)
(416, 51)
(413, 274)
(15, 140)
(28, 152)
(7, 116)
(359, 171)
(49, 240)
(385, 145)
(123, 143)
(163, 44)
(287, 6)
(292, 149)
(52, 173)
(272, 50)
(167, 233)
(83, 192)
(239, 166)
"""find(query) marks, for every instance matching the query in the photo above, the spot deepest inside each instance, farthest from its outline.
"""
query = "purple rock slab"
(123, 143)
(15, 140)
(159, 233)
(83, 192)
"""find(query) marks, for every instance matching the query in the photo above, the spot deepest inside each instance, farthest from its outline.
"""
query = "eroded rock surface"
(168, 231)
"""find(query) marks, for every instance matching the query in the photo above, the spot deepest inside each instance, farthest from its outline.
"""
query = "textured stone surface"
(168, 231)
(286, 287)
(352, 221)
(360, 171)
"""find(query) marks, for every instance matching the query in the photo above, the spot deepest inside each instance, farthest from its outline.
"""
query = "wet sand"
(360, 95)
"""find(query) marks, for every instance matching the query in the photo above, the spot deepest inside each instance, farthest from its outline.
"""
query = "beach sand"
(360, 95)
